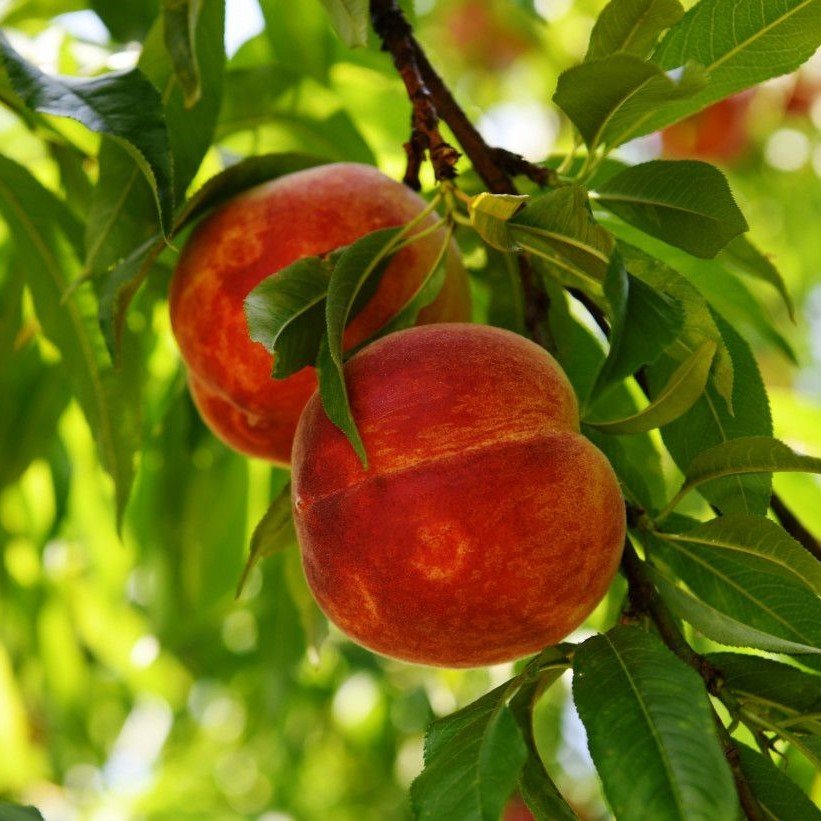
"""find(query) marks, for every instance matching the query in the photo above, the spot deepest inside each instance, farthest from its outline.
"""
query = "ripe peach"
(485, 527)
(256, 234)
(719, 133)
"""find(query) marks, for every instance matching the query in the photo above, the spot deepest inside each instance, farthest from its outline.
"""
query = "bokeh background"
(132, 683)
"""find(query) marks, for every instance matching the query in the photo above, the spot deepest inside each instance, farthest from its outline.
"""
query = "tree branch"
(395, 32)
(431, 100)
(791, 524)
(494, 165)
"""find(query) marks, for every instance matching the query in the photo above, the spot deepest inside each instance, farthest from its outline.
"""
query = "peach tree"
(631, 275)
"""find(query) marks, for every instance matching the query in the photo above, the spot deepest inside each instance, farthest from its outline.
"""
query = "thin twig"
(433, 100)
(395, 32)
(794, 527)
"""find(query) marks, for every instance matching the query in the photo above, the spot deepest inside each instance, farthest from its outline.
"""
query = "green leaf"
(180, 27)
(605, 98)
(350, 20)
(640, 704)
(747, 454)
(769, 683)
(782, 614)
(127, 20)
(274, 532)
(286, 313)
(718, 283)
(496, 287)
(683, 202)
(716, 624)
(536, 786)
(709, 423)
(739, 43)
(699, 321)
(778, 795)
(124, 280)
(16, 812)
(631, 27)
(303, 41)
(636, 476)
(313, 620)
(357, 263)
(426, 292)
(729, 295)
(123, 105)
(28, 429)
(119, 288)
(558, 226)
(756, 537)
(47, 238)
(472, 762)
(643, 323)
(684, 387)
(270, 99)
(122, 216)
(742, 255)
(489, 215)
(635, 459)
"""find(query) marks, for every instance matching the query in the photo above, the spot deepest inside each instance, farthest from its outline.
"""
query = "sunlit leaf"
(180, 27)
(125, 279)
(274, 532)
(747, 454)
(350, 19)
(121, 217)
(360, 261)
(710, 423)
(286, 313)
(47, 238)
(741, 254)
(631, 27)
(643, 322)
(681, 391)
(739, 43)
(699, 321)
(755, 538)
(489, 214)
(683, 202)
(559, 226)
(606, 98)
(124, 106)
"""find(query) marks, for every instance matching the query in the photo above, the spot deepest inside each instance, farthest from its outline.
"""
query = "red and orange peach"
(255, 235)
(485, 526)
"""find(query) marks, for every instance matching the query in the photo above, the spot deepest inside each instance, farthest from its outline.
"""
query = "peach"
(485, 527)
(255, 235)
(718, 133)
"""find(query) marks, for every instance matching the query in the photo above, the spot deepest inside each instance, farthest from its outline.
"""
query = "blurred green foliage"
(132, 683)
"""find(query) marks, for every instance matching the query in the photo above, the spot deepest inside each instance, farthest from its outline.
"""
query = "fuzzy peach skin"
(485, 527)
(256, 234)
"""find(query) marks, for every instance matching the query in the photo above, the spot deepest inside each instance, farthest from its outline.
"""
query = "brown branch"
(494, 165)
(432, 100)
(644, 598)
(797, 530)
(395, 32)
